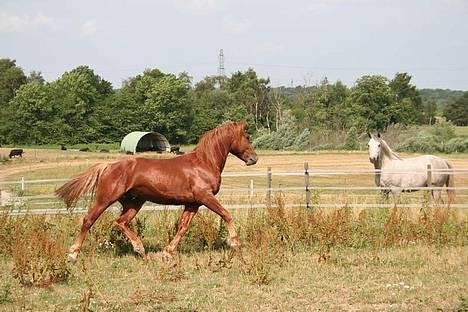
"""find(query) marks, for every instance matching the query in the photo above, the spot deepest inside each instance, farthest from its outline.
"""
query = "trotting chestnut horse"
(191, 180)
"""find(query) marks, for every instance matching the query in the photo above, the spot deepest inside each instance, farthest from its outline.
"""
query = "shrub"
(266, 140)
(352, 139)
(457, 145)
(302, 141)
(39, 258)
(421, 143)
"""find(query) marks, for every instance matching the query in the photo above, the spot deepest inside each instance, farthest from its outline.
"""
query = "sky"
(291, 42)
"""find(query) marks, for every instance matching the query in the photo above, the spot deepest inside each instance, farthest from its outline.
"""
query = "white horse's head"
(375, 146)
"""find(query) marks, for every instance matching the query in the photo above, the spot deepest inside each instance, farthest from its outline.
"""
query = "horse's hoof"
(167, 256)
(140, 251)
(72, 257)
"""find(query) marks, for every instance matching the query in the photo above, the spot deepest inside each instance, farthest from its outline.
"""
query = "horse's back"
(412, 172)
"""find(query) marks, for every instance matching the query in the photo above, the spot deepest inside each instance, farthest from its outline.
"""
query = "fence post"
(306, 184)
(22, 184)
(269, 186)
(429, 181)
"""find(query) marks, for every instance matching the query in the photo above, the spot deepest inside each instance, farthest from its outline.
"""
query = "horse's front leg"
(214, 205)
(184, 223)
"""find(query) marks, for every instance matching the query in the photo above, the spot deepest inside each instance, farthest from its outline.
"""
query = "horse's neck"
(216, 156)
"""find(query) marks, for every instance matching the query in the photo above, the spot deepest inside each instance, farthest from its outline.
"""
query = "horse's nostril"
(252, 160)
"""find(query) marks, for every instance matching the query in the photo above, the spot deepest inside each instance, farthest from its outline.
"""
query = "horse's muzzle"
(373, 159)
(252, 160)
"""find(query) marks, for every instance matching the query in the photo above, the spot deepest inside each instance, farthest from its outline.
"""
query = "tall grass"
(37, 244)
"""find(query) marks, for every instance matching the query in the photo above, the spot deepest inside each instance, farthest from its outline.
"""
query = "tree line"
(82, 107)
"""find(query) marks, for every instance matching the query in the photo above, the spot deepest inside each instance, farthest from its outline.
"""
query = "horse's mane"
(388, 151)
(215, 143)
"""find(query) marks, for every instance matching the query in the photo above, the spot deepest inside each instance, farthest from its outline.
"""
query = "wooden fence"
(251, 189)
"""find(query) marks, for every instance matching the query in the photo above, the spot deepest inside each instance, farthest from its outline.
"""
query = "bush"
(421, 143)
(459, 145)
(266, 140)
(39, 253)
(352, 139)
(302, 141)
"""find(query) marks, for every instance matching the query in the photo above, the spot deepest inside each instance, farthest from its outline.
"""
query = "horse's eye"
(379, 145)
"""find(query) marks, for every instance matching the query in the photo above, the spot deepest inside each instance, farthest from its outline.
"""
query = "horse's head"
(375, 146)
(241, 146)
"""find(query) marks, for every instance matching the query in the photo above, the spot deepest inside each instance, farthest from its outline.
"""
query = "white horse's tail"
(450, 183)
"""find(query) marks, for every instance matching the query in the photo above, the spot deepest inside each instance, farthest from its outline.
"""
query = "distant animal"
(63, 147)
(403, 175)
(191, 180)
(176, 150)
(16, 152)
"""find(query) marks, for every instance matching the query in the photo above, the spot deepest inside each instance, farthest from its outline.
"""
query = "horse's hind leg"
(437, 197)
(96, 210)
(184, 222)
(130, 209)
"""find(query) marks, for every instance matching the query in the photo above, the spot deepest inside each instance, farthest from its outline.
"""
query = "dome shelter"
(139, 141)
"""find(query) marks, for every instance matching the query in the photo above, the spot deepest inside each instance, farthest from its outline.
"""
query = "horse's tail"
(80, 185)
(451, 184)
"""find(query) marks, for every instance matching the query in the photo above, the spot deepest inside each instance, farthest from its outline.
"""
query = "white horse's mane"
(387, 150)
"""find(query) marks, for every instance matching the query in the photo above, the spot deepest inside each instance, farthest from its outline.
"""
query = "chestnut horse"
(191, 180)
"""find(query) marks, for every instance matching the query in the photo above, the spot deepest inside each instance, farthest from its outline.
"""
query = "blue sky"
(292, 42)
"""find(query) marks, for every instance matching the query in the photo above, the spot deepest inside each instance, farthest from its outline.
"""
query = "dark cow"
(176, 150)
(16, 152)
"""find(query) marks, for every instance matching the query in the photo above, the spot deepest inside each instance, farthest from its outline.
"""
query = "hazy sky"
(296, 42)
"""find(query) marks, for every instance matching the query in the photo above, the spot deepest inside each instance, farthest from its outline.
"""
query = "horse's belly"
(403, 180)
(163, 195)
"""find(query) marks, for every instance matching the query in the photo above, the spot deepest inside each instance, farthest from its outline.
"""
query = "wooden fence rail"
(307, 187)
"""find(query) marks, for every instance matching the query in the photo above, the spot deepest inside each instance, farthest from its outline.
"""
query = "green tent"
(139, 141)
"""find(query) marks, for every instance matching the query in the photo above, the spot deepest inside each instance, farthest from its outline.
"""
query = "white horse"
(398, 174)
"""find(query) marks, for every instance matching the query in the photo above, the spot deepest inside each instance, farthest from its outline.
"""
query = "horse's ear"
(378, 135)
(370, 135)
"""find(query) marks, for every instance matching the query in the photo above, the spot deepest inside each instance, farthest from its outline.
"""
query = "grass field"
(295, 259)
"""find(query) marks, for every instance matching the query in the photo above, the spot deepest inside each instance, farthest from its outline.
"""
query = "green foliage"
(441, 96)
(286, 137)
(457, 110)
(31, 114)
(459, 145)
(372, 101)
(431, 140)
(11, 78)
(352, 139)
(81, 107)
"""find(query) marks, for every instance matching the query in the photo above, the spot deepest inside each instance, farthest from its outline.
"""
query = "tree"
(155, 101)
(324, 106)
(407, 108)
(252, 92)
(31, 116)
(36, 76)
(11, 78)
(457, 110)
(372, 103)
(167, 109)
(77, 94)
(210, 103)
(430, 109)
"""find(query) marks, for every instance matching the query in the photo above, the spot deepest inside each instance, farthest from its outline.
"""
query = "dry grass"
(295, 259)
